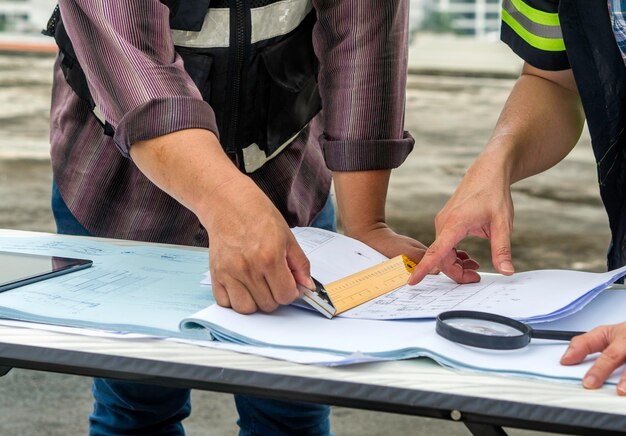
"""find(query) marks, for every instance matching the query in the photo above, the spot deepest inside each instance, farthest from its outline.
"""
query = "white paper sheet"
(303, 330)
(297, 356)
(542, 294)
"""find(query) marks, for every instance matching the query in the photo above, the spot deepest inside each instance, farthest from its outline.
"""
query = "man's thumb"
(299, 266)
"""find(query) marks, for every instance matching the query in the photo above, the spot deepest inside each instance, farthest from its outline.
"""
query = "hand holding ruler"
(358, 288)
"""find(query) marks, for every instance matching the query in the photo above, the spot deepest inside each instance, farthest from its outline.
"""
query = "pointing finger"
(439, 253)
(501, 248)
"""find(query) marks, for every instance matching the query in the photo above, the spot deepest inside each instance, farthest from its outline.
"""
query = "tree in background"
(436, 22)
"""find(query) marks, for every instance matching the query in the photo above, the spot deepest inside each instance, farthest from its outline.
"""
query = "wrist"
(360, 231)
(498, 159)
(218, 194)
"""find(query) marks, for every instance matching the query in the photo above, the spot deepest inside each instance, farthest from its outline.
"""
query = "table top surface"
(417, 386)
(414, 386)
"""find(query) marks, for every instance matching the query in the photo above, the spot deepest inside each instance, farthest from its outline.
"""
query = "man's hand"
(255, 260)
(538, 126)
(386, 241)
(361, 200)
(481, 206)
(611, 342)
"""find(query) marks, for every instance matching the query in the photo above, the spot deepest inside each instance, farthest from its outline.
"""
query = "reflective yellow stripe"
(539, 17)
(547, 44)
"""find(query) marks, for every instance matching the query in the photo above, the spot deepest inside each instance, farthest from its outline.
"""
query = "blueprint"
(529, 296)
(139, 288)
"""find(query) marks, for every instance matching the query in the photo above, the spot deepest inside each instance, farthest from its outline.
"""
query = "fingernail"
(590, 381)
(311, 284)
(566, 354)
(621, 387)
(507, 266)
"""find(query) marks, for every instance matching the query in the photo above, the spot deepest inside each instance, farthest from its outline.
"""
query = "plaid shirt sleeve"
(135, 77)
(362, 48)
(618, 20)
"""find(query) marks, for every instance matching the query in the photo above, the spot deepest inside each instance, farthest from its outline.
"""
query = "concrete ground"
(559, 224)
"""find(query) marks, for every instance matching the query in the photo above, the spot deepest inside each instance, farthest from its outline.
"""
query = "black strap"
(52, 22)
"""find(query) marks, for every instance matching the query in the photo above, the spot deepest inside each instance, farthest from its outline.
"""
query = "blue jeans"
(129, 408)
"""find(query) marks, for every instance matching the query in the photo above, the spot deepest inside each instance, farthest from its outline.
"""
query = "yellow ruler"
(344, 294)
(370, 283)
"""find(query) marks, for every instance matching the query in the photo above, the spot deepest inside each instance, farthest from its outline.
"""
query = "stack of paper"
(535, 296)
(297, 329)
(156, 290)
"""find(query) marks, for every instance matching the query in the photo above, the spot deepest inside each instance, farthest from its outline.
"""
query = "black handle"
(558, 335)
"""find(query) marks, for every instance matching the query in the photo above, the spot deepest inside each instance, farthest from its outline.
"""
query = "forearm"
(361, 200)
(362, 48)
(189, 165)
(539, 125)
(361, 197)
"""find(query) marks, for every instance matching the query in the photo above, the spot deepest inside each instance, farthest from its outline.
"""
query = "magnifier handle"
(559, 335)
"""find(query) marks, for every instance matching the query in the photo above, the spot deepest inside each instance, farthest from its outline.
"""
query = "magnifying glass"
(496, 332)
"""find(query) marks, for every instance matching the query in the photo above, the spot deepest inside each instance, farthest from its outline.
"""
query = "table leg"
(484, 429)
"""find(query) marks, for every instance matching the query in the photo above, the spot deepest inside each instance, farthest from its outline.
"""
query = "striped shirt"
(617, 9)
(140, 86)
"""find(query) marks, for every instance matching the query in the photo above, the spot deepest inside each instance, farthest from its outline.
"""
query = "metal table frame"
(419, 387)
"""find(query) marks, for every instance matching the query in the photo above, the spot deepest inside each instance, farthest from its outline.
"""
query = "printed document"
(394, 340)
(155, 290)
(533, 295)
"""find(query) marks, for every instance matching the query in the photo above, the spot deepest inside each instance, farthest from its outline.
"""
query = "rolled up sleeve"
(135, 77)
(362, 49)
(365, 155)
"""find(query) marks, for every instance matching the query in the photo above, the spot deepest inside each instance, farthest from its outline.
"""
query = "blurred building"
(24, 16)
(478, 18)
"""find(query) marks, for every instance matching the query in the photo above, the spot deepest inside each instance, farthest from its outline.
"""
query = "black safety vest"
(259, 78)
(601, 79)
(587, 45)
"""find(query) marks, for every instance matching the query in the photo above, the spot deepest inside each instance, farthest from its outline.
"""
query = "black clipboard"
(19, 269)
